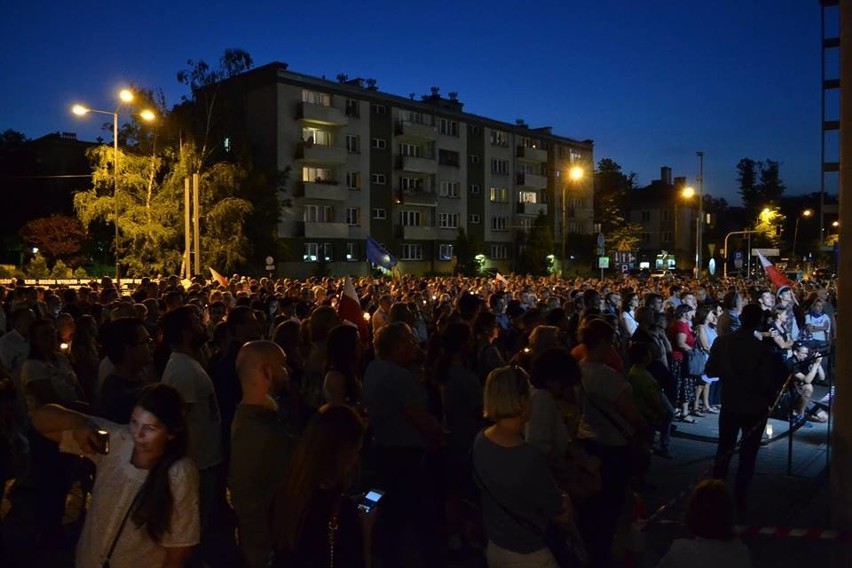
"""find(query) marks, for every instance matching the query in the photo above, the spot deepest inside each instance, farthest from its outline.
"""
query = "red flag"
(773, 273)
(349, 310)
(218, 277)
(500, 278)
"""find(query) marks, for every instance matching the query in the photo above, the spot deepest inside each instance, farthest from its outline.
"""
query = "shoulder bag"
(121, 528)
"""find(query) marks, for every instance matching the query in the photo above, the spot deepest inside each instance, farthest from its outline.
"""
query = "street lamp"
(805, 213)
(125, 96)
(575, 174)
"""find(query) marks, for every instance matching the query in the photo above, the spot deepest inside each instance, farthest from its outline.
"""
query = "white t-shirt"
(818, 321)
(58, 372)
(116, 484)
(203, 421)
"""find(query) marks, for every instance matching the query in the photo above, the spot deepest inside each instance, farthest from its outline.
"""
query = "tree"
(465, 251)
(760, 185)
(534, 258)
(611, 189)
(37, 267)
(60, 270)
(58, 238)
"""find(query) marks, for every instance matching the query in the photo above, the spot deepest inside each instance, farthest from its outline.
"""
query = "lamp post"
(699, 224)
(125, 96)
(575, 174)
(805, 213)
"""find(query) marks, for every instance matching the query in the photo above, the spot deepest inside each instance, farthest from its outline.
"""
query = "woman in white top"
(144, 509)
(627, 317)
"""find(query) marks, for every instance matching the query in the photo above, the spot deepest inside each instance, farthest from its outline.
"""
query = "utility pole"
(699, 228)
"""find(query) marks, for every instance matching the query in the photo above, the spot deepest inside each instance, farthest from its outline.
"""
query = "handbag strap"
(121, 526)
(618, 426)
(523, 522)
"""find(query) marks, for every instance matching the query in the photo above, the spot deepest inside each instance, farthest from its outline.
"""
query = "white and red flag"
(218, 277)
(349, 310)
(775, 276)
(500, 278)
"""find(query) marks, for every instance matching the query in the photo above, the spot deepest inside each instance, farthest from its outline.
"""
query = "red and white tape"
(807, 534)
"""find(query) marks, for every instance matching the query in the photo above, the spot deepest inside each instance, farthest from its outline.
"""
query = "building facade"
(410, 173)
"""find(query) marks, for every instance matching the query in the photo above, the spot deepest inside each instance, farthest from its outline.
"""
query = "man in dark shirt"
(748, 371)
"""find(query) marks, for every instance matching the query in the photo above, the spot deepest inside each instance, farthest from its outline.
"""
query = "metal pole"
(115, 193)
(196, 211)
(748, 260)
(795, 238)
(699, 225)
(562, 231)
(732, 233)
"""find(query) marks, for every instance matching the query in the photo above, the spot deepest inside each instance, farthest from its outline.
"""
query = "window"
(499, 195)
(353, 216)
(410, 184)
(646, 216)
(319, 214)
(351, 251)
(379, 143)
(646, 238)
(318, 175)
(311, 252)
(448, 127)
(411, 116)
(227, 144)
(499, 138)
(380, 214)
(530, 142)
(327, 251)
(448, 220)
(527, 197)
(473, 219)
(475, 129)
(353, 109)
(409, 218)
(378, 179)
(412, 252)
(667, 215)
(317, 136)
(666, 236)
(474, 189)
(474, 158)
(353, 143)
(500, 167)
(448, 158)
(450, 189)
(410, 150)
(499, 252)
(316, 98)
(526, 223)
(353, 180)
(445, 252)
(379, 109)
(499, 223)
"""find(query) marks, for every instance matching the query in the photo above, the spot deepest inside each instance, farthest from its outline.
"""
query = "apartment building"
(409, 172)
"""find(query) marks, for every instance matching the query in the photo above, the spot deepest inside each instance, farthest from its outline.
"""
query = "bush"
(37, 267)
(60, 270)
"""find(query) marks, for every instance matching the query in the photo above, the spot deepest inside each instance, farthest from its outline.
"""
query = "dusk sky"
(650, 81)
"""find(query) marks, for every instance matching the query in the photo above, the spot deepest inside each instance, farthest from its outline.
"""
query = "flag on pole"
(218, 277)
(349, 310)
(773, 273)
(378, 255)
(500, 278)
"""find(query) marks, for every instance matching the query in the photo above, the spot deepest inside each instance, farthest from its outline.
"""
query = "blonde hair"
(544, 337)
(506, 391)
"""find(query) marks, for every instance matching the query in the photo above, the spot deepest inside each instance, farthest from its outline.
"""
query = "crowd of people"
(507, 417)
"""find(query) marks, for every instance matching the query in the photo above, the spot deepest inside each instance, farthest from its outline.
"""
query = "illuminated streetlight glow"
(147, 115)
(688, 192)
(576, 173)
(835, 224)
(126, 95)
(807, 213)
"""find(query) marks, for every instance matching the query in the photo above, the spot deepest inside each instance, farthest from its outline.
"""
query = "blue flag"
(377, 254)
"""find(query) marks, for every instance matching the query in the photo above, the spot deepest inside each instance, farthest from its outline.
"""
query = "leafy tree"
(37, 267)
(60, 270)
(768, 226)
(58, 238)
(539, 246)
(465, 251)
(760, 185)
(611, 189)
(81, 273)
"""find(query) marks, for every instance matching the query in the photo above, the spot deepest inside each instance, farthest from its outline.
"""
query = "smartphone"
(103, 438)
(370, 500)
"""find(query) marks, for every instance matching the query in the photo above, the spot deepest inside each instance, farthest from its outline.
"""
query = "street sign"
(601, 240)
(603, 262)
(625, 268)
(270, 260)
(738, 255)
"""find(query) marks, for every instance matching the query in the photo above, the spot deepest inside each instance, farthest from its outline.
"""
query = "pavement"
(790, 490)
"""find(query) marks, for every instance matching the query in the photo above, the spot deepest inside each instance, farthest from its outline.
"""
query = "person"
(650, 400)
(710, 517)
(144, 506)
(404, 436)
(729, 321)
(262, 445)
(84, 355)
(128, 344)
(818, 327)
(683, 343)
(486, 330)
(609, 424)
(627, 317)
(779, 335)
(705, 334)
(342, 383)
(314, 524)
(184, 333)
(806, 371)
(748, 372)
(520, 497)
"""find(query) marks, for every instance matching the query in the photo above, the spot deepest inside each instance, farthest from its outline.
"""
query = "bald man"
(261, 446)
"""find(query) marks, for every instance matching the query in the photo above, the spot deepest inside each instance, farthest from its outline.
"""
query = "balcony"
(319, 114)
(427, 198)
(328, 190)
(532, 208)
(335, 154)
(415, 233)
(532, 181)
(326, 230)
(415, 130)
(416, 165)
(532, 154)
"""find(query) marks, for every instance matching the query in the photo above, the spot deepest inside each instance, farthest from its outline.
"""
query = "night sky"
(650, 81)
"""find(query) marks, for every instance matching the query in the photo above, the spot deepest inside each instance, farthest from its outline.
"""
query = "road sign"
(625, 268)
(601, 240)
(603, 262)
(738, 255)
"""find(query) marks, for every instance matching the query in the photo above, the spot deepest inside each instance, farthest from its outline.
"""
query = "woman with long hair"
(85, 355)
(144, 509)
(705, 334)
(342, 382)
(683, 341)
(314, 524)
